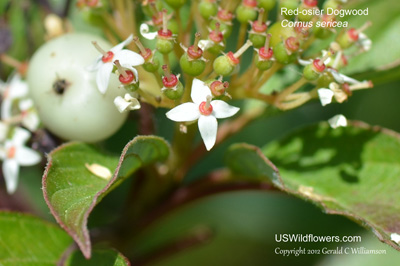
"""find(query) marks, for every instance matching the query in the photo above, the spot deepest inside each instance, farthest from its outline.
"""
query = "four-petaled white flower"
(104, 63)
(126, 103)
(14, 154)
(203, 109)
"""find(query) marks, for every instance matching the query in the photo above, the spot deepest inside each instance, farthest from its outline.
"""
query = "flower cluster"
(193, 67)
(17, 113)
(202, 63)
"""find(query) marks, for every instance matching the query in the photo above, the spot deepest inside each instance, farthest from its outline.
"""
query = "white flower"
(104, 63)
(338, 121)
(204, 110)
(14, 90)
(14, 154)
(126, 103)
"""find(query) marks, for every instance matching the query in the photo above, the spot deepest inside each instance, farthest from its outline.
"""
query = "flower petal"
(25, 104)
(128, 102)
(200, 91)
(205, 44)
(184, 113)
(31, 120)
(6, 106)
(103, 77)
(26, 156)
(364, 41)
(121, 104)
(17, 88)
(395, 238)
(325, 96)
(10, 172)
(340, 95)
(340, 78)
(223, 110)
(20, 136)
(304, 62)
(95, 65)
(328, 59)
(129, 58)
(121, 45)
(145, 31)
(208, 127)
(338, 121)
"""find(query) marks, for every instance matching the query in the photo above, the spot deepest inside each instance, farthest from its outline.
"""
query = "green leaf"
(248, 162)
(26, 240)
(351, 171)
(100, 256)
(72, 191)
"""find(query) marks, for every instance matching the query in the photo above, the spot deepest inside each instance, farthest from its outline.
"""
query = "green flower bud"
(258, 29)
(223, 65)
(192, 62)
(152, 65)
(314, 70)
(174, 93)
(246, 11)
(266, 4)
(263, 59)
(224, 18)
(305, 8)
(285, 52)
(226, 29)
(351, 36)
(173, 88)
(208, 8)
(278, 32)
(258, 40)
(226, 64)
(165, 42)
(192, 67)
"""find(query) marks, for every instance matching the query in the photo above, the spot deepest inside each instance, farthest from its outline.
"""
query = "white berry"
(80, 111)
